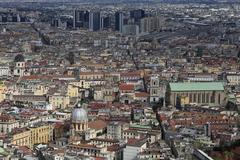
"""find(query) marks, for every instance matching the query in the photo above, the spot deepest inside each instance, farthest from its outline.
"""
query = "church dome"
(79, 115)
(19, 58)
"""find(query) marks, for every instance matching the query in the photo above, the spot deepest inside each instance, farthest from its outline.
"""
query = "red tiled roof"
(132, 141)
(35, 77)
(127, 87)
(6, 117)
(141, 94)
(25, 150)
(113, 148)
(98, 124)
(129, 74)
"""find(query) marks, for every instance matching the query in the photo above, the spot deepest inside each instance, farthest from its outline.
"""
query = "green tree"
(178, 103)
(168, 94)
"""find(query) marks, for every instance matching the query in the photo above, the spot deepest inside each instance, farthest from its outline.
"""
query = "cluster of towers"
(95, 21)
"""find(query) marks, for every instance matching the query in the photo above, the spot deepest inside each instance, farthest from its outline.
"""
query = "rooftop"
(197, 86)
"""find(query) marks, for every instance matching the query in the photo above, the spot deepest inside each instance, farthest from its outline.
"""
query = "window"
(219, 98)
(199, 98)
(154, 91)
(203, 98)
(194, 97)
(207, 100)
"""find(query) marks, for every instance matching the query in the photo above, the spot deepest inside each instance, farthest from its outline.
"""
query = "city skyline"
(119, 80)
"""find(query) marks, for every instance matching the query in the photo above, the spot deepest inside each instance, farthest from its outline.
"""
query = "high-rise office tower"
(80, 19)
(94, 21)
(4, 18)
(14, 18)
(105, 22)
(137, 15)
(86, 19)
(76, 16)
(118, 21)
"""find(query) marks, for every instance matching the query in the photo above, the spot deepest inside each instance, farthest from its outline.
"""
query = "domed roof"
(79, 115)
(19, 58)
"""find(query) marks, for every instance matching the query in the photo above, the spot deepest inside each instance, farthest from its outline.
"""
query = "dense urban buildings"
(119, 80)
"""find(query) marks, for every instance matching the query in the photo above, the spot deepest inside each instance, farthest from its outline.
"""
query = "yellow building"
(40, 90)
(213, 69)
(34, 135)
(2, 91)
(184, 100)
(59, 101)
(41, 134)
(72, 90)
(91, 75)
(22, 137)
(83, 84)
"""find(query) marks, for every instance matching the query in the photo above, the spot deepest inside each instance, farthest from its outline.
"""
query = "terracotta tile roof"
(91, 73)
(113, 148)
(58, 125)
(36, 77)
(136, 142)
(126, 87)
(129, 74)
(98, 124)
(141, 94)
(5, 117)
(25, 150)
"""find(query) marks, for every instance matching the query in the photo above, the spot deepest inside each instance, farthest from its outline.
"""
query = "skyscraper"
(137, 14)
(86, 19)
(118, 21)
(105, 22)
(80, 19)
(94, 21)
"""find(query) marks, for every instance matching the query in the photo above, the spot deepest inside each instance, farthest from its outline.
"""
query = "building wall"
(154, 89)
(150, 24)
(184, 100)
(40, 90)
(59, 101)
(114, 131)
(22, 139)
(130, 152)
(19, 69)
(233, 79)
(72, 91)
(41, 134)
(91, 76)
(4, 71)
(200, 97)
(7, 127)
(2, 91)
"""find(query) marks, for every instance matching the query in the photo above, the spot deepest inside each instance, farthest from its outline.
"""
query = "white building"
(5, 71)
(233, 78)
(155, 89)
(7, 124)
(133, 147)
(20, 66)
(131, 30)
(114, 130)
